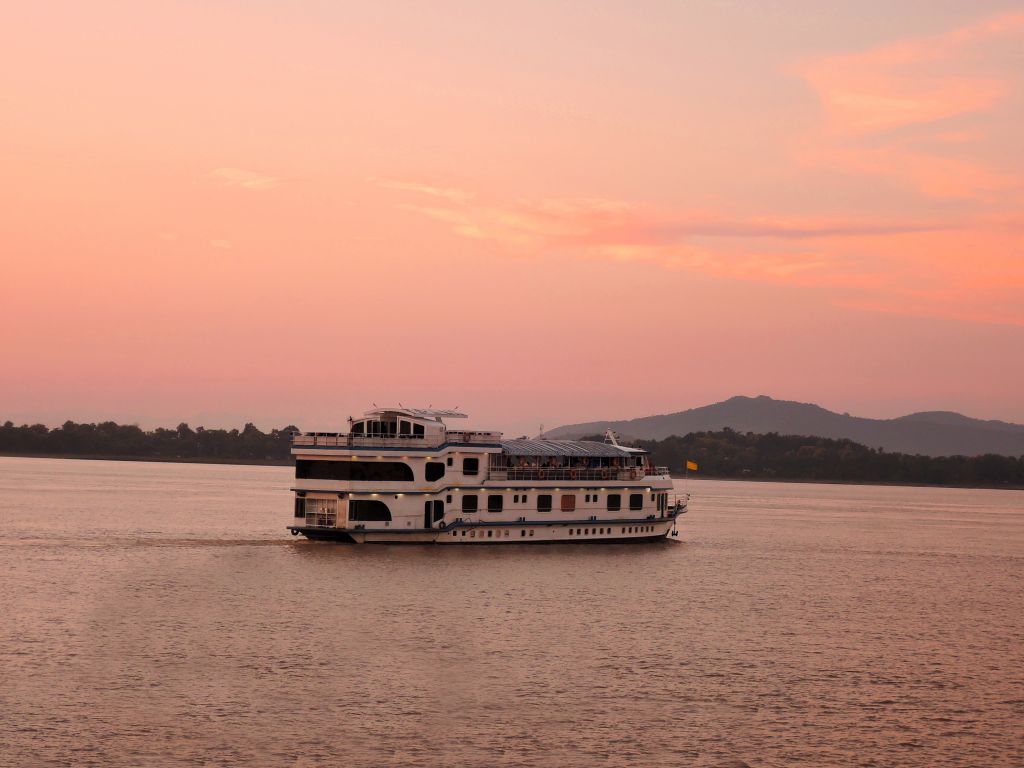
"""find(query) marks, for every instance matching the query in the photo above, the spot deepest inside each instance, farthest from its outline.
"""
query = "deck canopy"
(420, 413)
(571, 448)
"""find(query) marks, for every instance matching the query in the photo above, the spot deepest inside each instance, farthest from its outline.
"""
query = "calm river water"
(159, 614)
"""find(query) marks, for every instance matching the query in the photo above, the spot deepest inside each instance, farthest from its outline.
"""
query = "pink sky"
(282, 212)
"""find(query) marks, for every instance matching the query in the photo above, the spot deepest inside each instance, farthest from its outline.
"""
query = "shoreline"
(290, 462)
(888, 483)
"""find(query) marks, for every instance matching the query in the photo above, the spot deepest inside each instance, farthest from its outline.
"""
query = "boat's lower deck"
(501, 533)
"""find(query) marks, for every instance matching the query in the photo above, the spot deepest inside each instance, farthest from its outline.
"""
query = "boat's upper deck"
(400, 428)
(413, 429)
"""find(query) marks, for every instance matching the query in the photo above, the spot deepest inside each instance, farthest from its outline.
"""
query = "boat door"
(433, 512)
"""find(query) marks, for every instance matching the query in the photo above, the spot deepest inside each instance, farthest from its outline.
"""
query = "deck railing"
(565, 473)
(350, 440)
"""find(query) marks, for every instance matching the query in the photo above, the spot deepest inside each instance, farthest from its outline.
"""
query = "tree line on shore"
(129, 440)
(771, 456)
(725, 453)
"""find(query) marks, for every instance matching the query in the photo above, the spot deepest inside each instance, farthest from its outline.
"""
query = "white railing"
(349, 440)
(565, 473)
(463, 436)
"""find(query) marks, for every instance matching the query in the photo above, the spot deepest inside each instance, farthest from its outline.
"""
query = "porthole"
(522, 532)
(531, 531)
(490, 534)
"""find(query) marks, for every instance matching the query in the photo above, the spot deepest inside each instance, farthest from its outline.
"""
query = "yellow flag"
(691, 465)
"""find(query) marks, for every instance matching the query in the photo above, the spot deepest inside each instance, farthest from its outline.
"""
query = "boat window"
(469, 503)
(544, 502)
(470, 466)
(438, 510)
(614, 502)
(417, 430)
(524, 498)
(495, 503)
(448, 498)
(449, 461)
(515, 499)
(434, 471)
(357, 428)
(378, 471)
(368, 509)
(569, 502)
(403, 427)
(300, 507)
(636, 501)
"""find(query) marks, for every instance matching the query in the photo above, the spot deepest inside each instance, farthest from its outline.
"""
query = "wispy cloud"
(448, 193)
(894, 111)
(239, 177)
(867, 263)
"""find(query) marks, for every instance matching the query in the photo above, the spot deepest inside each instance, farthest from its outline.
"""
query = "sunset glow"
(222, 212)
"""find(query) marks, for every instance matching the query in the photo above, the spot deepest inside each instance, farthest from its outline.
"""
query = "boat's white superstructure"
(400, 475)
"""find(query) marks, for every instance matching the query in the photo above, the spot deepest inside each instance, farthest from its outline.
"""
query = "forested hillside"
(732, 454)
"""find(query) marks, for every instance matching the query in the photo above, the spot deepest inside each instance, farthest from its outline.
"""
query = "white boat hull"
(567, 532)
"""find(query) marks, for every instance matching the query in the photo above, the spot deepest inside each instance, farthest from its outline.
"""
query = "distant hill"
(931, 433)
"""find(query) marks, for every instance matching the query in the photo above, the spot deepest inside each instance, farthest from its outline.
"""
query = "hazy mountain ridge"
(931, 433)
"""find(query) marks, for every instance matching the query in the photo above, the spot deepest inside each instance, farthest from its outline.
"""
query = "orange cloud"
(913, 81)
(897, 111)
(238, 177)
(950, 269)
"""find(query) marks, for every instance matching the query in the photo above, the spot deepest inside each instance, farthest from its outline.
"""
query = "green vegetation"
(129, 441)
(724, 454)
(738, 455)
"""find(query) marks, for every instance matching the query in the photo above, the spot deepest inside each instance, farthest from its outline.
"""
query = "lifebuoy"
(604, 474)
(573, 474)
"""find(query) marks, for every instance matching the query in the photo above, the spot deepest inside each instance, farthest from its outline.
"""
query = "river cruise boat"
(400, 475)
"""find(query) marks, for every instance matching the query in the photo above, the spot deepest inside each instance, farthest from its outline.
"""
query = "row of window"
(493, 534)
(504, 533)
(376, 471)
(496, 502)
(383, 471)
(605, 531)
(387, 427)
(359, 510)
